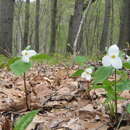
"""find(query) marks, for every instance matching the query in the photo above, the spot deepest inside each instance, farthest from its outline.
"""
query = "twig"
(120, 122)
(6, 53)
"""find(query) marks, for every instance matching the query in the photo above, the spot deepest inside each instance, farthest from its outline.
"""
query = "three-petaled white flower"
(27, 54)
(87, 74)
(112, 58)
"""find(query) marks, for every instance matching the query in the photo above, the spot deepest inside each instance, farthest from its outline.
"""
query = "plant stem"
(115, 98)
(26, 93)
(88, 90)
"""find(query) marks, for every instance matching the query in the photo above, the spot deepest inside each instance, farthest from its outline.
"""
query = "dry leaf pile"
(61, 99)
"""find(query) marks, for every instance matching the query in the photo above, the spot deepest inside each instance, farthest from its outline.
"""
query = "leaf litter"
(61, 99)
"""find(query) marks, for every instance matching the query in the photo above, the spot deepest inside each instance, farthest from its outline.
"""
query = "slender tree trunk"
(104, 36)
(112, 21)
(6, 26)
(53, 25)
(18, 31)
(37, 22)
(74, 26)
(26, 24)
(124, 38)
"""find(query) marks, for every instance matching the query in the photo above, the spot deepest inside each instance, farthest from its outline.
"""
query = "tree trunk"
(6, 26)
(104, 36)
(26, 24)
(53, 25)
(74, 26)
(37, 22)
(124, 38)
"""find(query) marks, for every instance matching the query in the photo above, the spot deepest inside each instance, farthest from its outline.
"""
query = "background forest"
(52, 76)
(51, 26)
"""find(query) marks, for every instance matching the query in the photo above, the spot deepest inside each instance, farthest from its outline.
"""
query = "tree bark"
(37, 22)
(53, 25)
(124, 38)
(74, 26)
(26, 24)
(6, 26)
(104, 36)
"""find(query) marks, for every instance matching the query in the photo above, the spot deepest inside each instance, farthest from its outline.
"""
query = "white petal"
(83, 75)
(31, 53)
(116, 63)
(25, 59)
(24, 52)
(89, 70)
(114, 49)
(88, 77)
(106, 61)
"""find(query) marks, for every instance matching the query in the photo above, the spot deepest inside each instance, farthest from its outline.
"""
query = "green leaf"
(123, 85)
(111, 97)
(28, 47)
(123, 74)
(19, 67)
(128, 108)
(77, 73)
(25, 120)
(105, 85)
(121, 98)
(80, 60)
(40, 57)
(12, 60)
(127, 65)
(102, 74)
(3, 60)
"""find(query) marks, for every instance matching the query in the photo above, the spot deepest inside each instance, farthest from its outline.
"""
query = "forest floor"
(62, 100)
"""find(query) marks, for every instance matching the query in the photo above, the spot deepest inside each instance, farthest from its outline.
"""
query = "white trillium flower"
(27, 54)
(25, 59)
(112, 58)
(87, 74)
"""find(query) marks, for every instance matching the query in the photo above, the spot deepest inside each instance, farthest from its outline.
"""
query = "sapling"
(21, 66)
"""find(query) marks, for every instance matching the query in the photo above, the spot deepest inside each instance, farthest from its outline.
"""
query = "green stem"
(26, 93)
(115, 98)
